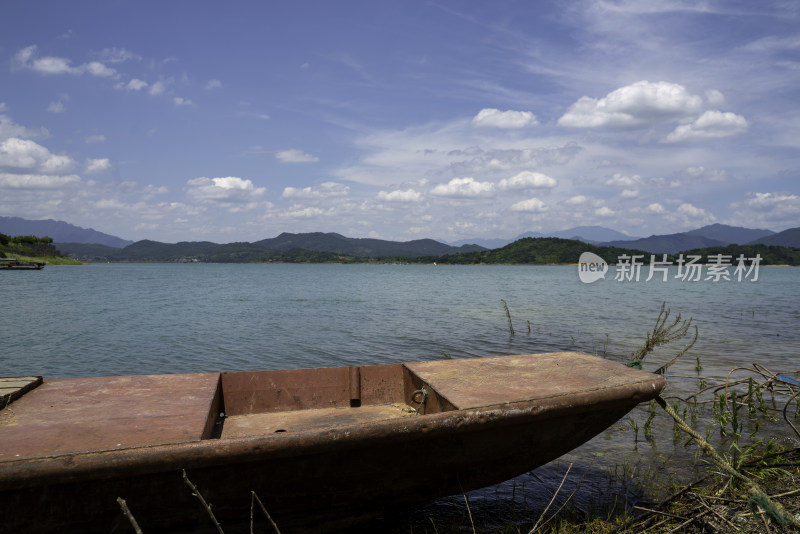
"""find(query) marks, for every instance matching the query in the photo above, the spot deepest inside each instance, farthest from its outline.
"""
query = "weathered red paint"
(313, 459)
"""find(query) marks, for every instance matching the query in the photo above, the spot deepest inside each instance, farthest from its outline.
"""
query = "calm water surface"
(108, 319)
(111, 319)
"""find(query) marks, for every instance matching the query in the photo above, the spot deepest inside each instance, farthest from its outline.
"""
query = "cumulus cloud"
(494, 118)
(532, 205)
(26, 155)
(305, 213)
(136, 84)
(179, 101)
(57, 106)
(604, 211)
(655, 207)
(8, 128)
(27, 59)
(636, 105)
(620, 180)
(710, 125)
(36, 181)
(323, 190)
(409, 195)
(577, 200)
(118, 55)
(770, 209)
(157, 88)
(527, 180)
(227, 189)
(294, 155)
(463, 187)
(97, 165)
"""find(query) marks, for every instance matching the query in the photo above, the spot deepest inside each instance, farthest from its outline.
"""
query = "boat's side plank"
(85, 414)
(303, 389)
(13, 387)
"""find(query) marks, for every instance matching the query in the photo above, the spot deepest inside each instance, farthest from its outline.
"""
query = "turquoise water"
(107, 319)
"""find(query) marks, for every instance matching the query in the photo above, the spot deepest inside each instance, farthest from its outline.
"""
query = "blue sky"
(184, 121)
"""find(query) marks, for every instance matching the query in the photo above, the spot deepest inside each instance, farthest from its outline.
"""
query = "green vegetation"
(532, 251)
(770, 254)
(32, 248)
(313, 248)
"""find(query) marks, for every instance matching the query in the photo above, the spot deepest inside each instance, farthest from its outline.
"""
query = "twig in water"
(196, 493)
(536, 525)
(254, 497)
(129, 515)
(508, 316)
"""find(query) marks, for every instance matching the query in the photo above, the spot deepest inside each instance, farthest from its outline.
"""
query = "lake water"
(111, 319)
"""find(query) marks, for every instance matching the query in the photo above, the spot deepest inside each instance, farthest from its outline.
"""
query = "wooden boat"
(321, 448)
(13, 264)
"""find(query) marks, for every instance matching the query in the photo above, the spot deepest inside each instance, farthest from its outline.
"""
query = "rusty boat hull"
(322, 448)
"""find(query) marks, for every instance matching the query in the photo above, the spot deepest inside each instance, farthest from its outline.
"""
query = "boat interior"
(70, 415)
(62, 416)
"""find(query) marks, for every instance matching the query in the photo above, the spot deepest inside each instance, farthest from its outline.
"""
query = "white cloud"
(620, 180)
(710, 125)
(305, 213)
(8, 128)
(640, 104)
(780, 209)
(96, 68)
(213, 84)
(295, 156)
(227, 189)
(655, 207)
(532, 204)
(36, 181)
(136, 84)
(51, 65)
(494, 118)
(118, 55)
(409, 195)
(769, 200)
(463, 187)
(157, 88)
(629, 193)
(56, 107)
(97, 165)
(179, 101)
(527, 180)
(690, 210)
(323, 190)
(99, 138)
(577, 200)
(604, 211)
(26, 155)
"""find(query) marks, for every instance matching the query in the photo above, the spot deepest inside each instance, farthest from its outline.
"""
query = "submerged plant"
(663, 334)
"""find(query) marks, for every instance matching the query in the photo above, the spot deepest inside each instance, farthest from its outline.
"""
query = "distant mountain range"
(60, 231)
(91, 244)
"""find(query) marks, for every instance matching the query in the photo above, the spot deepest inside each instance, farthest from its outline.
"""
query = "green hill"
(535, 251)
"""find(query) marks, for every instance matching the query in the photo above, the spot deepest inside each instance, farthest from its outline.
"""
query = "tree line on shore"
(526, 251)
